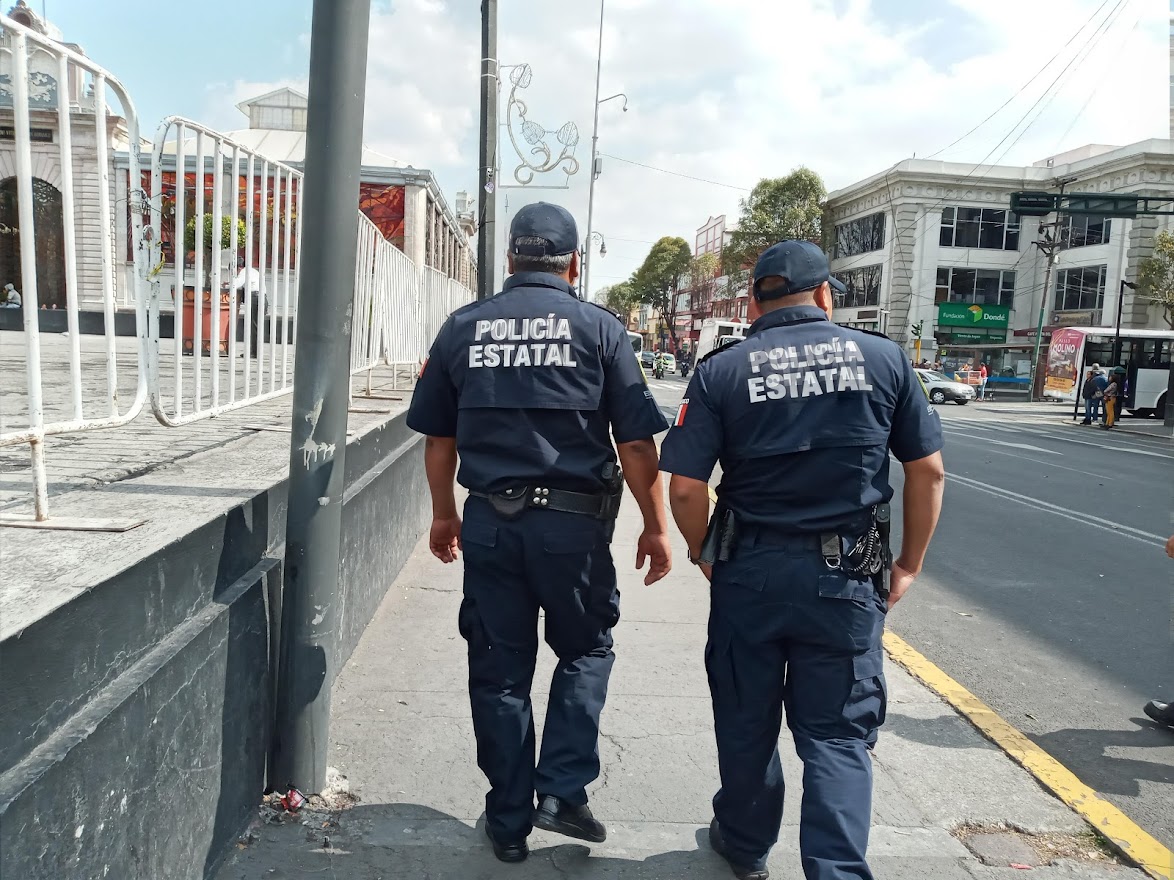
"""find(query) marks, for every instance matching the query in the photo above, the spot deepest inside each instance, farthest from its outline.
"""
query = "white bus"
(637, 342)
(1145, 355)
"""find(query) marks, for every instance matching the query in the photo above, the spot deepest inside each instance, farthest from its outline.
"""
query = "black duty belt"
(511, 502)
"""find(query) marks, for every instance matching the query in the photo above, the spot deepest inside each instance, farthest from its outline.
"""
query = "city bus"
(1145, 355)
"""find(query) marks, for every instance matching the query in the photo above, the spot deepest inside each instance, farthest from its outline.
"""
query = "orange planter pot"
(217, 310)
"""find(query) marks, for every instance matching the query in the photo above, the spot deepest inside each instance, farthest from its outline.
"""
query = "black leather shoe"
(1163, 713)
(740, 871)
(561, 818)
(508, 852)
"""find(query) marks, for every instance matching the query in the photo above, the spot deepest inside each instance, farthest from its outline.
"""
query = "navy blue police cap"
(801, 263)
(543, 230)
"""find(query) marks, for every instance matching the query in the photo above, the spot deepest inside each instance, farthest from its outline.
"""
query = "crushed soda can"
(292, 800)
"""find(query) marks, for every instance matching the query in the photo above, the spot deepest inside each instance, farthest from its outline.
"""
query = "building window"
(987, 228)
(1080, 288)
(1081, 230)
(860, 236)
(983, 286)
(863, 287)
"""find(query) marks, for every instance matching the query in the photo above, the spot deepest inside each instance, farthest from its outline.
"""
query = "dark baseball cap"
(543, 230)
(802, 263)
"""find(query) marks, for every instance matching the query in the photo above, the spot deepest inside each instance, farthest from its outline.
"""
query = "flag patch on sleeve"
(681, 413)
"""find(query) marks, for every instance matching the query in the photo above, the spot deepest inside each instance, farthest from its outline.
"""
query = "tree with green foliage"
(620, 298)
(1155, 277)
(777, 208)
(658, 279)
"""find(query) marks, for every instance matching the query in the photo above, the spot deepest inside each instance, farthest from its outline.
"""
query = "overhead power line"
(1024, 87)
(675, 173)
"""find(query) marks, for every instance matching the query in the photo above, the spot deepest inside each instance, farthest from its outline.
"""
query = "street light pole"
(594, 144)
(1117, 330)
(310, 604)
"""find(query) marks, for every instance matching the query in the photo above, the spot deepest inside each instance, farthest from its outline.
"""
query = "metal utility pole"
(594, 142)
(330, 205)
(487, 230)
(1048, 247)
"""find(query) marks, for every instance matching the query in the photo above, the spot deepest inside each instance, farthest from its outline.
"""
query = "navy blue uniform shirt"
(529, 382)
(802, 415)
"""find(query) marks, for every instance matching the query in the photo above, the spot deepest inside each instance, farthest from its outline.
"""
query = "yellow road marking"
(1137, 845)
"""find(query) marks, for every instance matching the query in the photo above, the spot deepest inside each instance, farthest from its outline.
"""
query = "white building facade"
(936, 242)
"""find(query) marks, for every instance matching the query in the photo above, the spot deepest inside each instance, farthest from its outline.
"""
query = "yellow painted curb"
(1119, 829)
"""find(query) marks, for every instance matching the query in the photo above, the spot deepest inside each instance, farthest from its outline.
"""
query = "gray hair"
(554, 265)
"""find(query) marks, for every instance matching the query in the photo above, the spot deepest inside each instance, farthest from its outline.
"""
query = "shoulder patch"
(720, 349)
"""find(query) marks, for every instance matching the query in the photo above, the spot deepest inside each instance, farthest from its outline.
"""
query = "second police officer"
(529, 388)
(802, 415)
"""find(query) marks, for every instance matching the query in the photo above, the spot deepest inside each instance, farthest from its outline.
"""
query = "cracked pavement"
(401, 733)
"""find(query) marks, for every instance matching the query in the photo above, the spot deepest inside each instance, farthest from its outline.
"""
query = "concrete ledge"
(139, 667)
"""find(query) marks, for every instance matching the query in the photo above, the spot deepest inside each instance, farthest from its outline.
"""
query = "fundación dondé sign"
(963, 315)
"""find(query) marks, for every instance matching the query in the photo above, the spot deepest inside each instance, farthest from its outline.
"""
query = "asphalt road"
(1047, 592)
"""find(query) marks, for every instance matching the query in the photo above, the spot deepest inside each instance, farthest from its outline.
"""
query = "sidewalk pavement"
(402, 736)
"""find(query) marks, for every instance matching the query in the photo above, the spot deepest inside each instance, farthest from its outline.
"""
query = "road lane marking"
(1026, 446)
(1086, 518)
(979, 444)
(1128, 837)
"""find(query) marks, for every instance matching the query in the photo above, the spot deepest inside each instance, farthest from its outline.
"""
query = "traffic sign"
(1034, 203)
(1100, 205)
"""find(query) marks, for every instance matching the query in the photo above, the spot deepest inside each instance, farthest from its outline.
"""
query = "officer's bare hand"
(654, 546)
(900, 580)
(444, 540)
(1170, 547)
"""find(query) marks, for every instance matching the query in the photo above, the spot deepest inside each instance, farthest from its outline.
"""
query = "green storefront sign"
(976, 316)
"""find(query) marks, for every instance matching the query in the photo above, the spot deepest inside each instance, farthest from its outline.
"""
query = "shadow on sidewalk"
(402, 841)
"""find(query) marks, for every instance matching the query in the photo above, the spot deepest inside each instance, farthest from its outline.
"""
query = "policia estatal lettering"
(529, 388)
(802, 414)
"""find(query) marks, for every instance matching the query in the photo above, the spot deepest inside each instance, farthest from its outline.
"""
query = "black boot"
(561, 818)
(1163, 713)
(740, 871)
(508, 852)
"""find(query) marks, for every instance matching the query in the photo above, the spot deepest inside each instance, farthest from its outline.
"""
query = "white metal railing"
(42, 73)
(242, 205)
(246, 217)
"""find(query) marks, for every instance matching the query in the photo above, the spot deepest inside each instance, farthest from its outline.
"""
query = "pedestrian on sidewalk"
(527, 389)
(983, 375)
(1093, 393)
(797, 607)
(1163, 713)
(1112, 397)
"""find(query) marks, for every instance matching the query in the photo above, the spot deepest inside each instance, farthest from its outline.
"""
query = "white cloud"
(735, 90)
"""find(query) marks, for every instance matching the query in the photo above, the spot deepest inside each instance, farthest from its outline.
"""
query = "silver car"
(942, 389)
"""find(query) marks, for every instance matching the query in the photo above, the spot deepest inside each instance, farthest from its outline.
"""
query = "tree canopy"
(777, 208)
(1155, 277)
(658, 278)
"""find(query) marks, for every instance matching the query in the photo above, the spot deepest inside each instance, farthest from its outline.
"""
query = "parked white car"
(942, 389)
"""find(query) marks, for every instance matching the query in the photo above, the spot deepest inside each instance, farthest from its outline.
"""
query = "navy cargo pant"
(785, 631)
(561, 563)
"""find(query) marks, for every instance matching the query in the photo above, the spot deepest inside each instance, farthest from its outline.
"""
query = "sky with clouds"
(727, 91)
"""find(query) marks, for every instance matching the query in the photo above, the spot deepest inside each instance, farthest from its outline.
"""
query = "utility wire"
(675, 173)
(1024, 87)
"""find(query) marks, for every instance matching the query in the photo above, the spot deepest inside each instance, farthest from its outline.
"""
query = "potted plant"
(222, 309)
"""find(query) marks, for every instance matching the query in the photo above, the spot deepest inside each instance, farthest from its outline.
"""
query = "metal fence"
(43, 75)
(213, 233)
(224, 250)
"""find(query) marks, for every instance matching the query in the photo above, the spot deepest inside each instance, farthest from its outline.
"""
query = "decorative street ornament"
(535, 136)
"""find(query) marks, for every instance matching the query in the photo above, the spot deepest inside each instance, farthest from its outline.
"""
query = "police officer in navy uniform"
(802, 415)
(529, 388)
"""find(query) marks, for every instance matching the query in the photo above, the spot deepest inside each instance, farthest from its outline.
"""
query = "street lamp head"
(1128, 284)
(603, 249)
